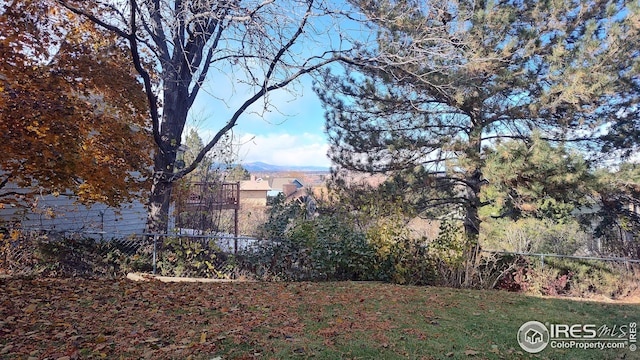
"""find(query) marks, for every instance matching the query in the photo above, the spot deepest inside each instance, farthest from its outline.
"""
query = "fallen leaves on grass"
(57, 318)
(80, 318)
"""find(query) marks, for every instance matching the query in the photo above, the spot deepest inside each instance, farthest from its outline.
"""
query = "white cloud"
(285, 149)
(290, 132)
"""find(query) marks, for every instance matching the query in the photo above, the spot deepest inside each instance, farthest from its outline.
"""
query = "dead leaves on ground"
(79, 318)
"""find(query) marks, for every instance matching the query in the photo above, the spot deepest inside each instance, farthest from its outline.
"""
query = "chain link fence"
(558, 274)
(626, 262)
(35, 252)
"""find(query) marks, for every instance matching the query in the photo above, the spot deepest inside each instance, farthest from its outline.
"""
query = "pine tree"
(449, 78)
(535, 179)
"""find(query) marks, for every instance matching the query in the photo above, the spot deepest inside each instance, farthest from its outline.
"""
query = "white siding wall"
(62, 214)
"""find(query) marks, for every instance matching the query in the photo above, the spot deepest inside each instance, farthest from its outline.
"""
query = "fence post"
(542, 261)
(155, 247)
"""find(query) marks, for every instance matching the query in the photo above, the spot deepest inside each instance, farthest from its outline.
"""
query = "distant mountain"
(264, 167)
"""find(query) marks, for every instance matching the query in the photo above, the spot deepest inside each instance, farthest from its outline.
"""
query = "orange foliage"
(73, 116)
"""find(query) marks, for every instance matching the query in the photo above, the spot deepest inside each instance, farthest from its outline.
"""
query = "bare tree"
(259, 46)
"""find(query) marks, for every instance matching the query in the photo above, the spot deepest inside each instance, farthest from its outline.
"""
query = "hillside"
(264, 167)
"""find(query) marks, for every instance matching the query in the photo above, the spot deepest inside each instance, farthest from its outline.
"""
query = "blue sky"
(291, 133)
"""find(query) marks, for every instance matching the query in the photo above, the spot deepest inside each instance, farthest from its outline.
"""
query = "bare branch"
(131, 37)
(157, 32)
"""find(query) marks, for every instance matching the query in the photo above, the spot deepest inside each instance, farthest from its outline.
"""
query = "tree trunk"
(472, 225)
(174, 117)
(160, 198)
(472, 221)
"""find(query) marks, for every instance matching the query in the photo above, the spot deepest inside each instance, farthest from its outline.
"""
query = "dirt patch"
(172, 279)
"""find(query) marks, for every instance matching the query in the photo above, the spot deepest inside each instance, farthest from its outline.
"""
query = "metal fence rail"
(576, 257)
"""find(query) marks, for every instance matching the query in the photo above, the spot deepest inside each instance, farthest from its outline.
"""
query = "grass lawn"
(86, 319)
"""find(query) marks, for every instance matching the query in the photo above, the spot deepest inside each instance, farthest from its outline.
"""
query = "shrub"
(324, 248)
(66, 257)
(448, 252)
(395, 252)
(536, 280)
(127, 255)
(496, 271)
(534, 235)
(86, 257)
(409, 262)
(183, 256)
(571, 277)
(516, 278)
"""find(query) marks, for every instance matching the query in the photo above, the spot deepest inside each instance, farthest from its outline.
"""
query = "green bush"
(324, 248)
(183, 256)
(336, 246)
(409, 262)
(88, 257)
(448, 250)
(127, 256)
